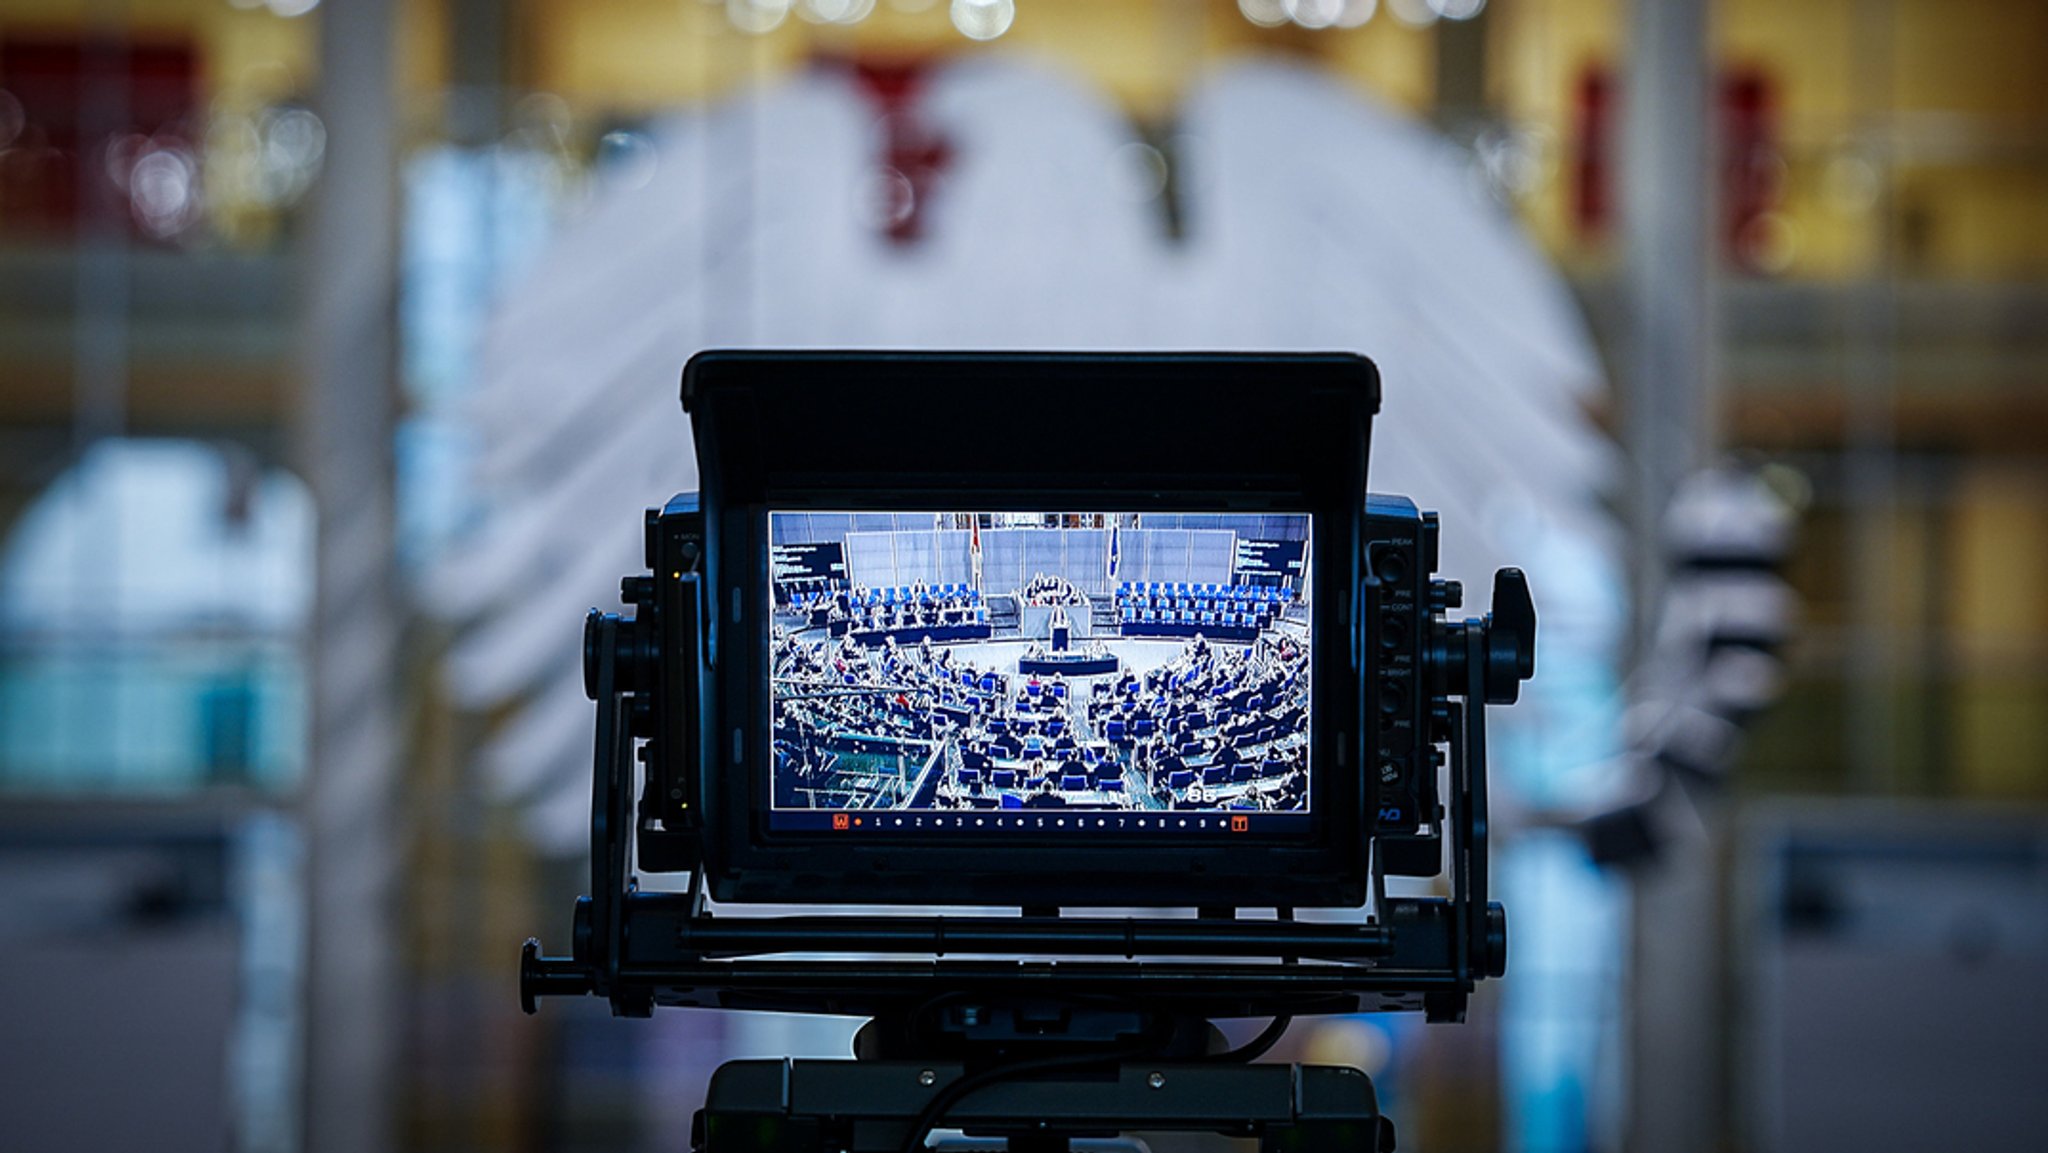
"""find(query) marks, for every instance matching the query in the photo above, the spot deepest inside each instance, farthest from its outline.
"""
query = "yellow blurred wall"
(1948, 96)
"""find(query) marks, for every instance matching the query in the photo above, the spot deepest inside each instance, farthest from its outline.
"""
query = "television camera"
(1114, 654)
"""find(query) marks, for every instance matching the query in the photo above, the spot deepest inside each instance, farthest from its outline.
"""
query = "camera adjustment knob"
(1510, 638)
(637, 590)
(1446, 595)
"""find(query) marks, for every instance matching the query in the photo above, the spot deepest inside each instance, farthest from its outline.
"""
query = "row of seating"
(1238, 773)
(910, 617)
(1260, 618)
(1067, 785)
(1184, 589)
(1053, 726)
(1106, 778)
(910, 594)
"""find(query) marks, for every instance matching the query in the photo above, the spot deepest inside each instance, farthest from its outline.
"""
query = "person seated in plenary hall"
(1047, 796)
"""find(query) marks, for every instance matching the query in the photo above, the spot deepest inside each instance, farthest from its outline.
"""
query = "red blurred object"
(1593, 153)
(1750, 164)
(80, 95)
(1746, 114)
(914, 152)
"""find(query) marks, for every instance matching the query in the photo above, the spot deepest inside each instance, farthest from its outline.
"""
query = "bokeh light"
(1264, 13)
(1314, 13)
(983, 19)
(1457, 9)
(757, 16)
(1414, 13)
(836, 11)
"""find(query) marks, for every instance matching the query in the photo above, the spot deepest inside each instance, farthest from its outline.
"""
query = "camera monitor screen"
(1133, 675)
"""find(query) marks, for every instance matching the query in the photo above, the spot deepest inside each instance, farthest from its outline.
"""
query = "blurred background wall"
(260, 893)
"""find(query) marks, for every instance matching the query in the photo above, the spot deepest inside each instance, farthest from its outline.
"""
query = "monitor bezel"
(1300, 448)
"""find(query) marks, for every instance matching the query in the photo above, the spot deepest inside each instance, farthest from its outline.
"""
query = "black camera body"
(1147, 641)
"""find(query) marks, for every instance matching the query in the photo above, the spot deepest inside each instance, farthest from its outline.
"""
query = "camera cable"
(935, 1110)
(1255, 1048)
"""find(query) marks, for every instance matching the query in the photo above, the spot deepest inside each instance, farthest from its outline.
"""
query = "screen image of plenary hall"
(957, 668)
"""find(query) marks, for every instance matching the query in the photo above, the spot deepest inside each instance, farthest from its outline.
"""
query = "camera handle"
(1492, 656)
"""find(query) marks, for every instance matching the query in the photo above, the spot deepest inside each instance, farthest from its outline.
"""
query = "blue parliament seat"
(1012, 801)
(1180, 778)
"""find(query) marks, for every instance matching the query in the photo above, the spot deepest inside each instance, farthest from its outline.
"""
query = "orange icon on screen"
(839, 820)
(1240, 824)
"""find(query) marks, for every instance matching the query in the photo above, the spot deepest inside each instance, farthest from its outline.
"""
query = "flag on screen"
(974, 551)
(1113, 553)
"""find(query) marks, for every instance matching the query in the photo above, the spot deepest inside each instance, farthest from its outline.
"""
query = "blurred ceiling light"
(1264, 13)
(293, 138)
(756, 16)
(836, 11)
(1457, 9)
(1313, 13)
(163, 191)
(1356, 13)
(1138, 172)
(1851, 184)
(121, 154)
(294, 142)
(983, 19)
(291, 8)
(1414, 13)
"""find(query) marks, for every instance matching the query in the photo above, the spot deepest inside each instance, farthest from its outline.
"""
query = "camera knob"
(1510, 637)
(629, 642)
(1447, 594)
